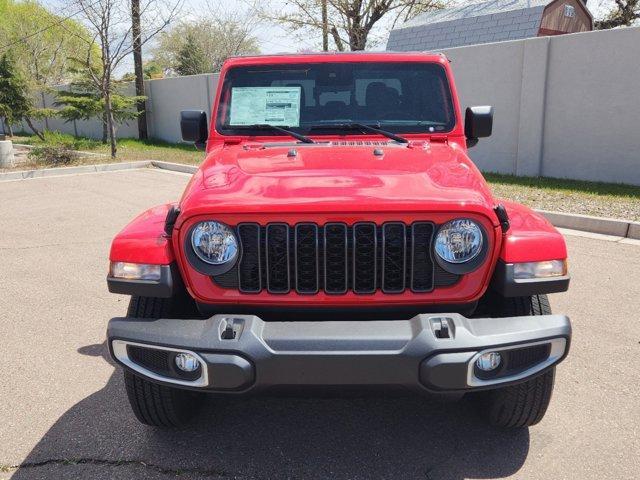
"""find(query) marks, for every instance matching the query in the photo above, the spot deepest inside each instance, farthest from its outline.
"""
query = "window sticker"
(260, 105)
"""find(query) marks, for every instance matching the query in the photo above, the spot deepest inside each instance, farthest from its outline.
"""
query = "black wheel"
(154, 404)
(523, 404)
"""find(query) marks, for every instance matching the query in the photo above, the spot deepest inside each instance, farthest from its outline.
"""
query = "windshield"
(399, 97)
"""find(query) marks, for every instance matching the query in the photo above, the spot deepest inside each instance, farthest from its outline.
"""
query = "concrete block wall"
(165, 99)
(592, 107)
(565, 106)
(168, 96)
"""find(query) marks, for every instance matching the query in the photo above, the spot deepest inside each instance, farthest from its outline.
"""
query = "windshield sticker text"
(265, 105)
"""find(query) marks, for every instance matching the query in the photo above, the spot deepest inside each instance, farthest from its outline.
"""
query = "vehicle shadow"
(270, 438)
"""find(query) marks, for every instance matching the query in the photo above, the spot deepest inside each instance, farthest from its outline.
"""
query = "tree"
(110, 24)
(324, 19)
(192, 59)
(12, 97)
(41, 43)
(15, 102)
(150, 71)
(211, 40)
(136, 32)
(350, 22)
(624, 14)
(83, 101)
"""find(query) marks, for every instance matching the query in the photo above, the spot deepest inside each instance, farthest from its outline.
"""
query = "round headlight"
(459, 241)
(214, 243)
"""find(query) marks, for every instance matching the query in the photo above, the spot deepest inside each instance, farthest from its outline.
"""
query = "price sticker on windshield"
(265, 105)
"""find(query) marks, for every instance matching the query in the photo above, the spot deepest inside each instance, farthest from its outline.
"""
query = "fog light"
(187, 362)
(487, 362)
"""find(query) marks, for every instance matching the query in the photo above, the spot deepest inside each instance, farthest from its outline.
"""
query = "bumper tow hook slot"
(440, 327)
(228, 333)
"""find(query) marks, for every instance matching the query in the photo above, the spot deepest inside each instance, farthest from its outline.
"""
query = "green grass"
(561, 184)
(129, 149)
(571, 196)
(132, 149)
(57, 138)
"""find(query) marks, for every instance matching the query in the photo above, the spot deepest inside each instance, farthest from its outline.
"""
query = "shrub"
(53, 155)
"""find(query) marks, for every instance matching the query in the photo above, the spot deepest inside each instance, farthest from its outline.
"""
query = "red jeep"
(337, 236)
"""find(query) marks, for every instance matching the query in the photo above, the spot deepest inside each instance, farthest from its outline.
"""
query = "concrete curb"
(174, 167)
(59, 171)
(586, 223)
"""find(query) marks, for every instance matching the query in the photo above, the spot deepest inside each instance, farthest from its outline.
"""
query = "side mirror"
(194, 127)
(478, 123)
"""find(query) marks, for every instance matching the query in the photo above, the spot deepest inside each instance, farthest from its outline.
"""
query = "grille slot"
(394, 253)
(249, 268)
(306, 256)
(336, 258)
(422, 271)
(365, 257)
(278, 265)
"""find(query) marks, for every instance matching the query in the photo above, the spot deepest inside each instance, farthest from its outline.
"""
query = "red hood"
(337, 177)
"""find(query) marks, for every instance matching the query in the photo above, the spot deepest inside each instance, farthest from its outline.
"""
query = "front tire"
(159, 405)
(520, 405)
(154, 404)
(523, 404)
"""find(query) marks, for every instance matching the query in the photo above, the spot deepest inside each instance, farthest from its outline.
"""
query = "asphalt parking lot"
(64, 414)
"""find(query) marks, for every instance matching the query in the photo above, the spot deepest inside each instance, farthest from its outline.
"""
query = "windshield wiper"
(362, 127)
(267, 126)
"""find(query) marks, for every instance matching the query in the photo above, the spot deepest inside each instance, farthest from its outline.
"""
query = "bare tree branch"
(351, 22)
(111, 27)
(625, 14)
(200, 45)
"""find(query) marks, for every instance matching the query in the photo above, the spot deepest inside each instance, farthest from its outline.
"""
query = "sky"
(271, 37)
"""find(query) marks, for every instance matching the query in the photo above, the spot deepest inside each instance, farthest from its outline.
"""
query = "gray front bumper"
(345, 353)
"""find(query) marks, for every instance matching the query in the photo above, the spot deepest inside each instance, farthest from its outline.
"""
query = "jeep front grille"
(336, 258)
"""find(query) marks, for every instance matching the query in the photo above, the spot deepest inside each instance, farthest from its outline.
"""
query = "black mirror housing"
(478, 123)
(194, 127)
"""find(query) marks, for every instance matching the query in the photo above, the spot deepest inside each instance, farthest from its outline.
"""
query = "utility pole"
(137, 65)
(325, 27)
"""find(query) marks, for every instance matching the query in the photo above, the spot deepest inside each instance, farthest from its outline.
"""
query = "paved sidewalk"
(64, 412)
